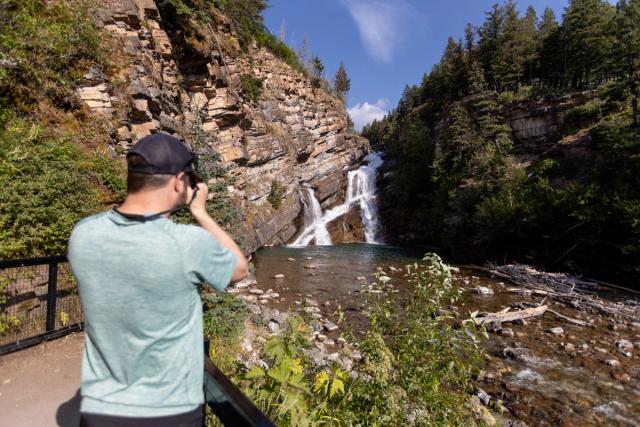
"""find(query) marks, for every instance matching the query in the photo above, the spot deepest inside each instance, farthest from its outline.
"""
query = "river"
(552, 379)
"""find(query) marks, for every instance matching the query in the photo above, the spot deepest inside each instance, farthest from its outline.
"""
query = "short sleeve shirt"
(138, 284)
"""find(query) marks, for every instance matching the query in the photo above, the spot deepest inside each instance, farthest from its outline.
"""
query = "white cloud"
(381, 24)
(364, 113)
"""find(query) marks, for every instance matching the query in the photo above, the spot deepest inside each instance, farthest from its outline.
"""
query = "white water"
(361, 191)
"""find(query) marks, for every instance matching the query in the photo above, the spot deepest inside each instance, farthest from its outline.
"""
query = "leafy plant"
(277, 192)
(251, 87)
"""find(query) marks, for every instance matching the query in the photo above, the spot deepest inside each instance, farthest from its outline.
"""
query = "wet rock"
(556, 331)
(506, 332)
(568, 347)
(310, 266)
(484, 397)
(279, 276)
(291, 259)
(494, 327)
(483, 290)
(256, 291)
(273, 327)
(330, 327)
(518, 353)
(612, 362)
(624, 345)
(310, 302)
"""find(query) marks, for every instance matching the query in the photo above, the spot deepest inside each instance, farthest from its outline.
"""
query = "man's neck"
(145, 203)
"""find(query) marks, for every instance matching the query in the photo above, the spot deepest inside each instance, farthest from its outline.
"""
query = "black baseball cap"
(164, 154)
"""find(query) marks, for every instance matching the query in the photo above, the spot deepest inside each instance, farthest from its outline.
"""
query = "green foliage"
(417, 366)
(586, 112)
(210, 168)
(341, 82)
(45, 48)
(278, 190)
(280, 49)
(48, 185)
(7, 323)
(251, 87)
(223, 317)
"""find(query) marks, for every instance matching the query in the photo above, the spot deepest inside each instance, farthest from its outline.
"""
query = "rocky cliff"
(293, 133)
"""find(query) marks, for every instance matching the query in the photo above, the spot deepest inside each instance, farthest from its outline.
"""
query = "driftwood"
(572, 291)
(572, 320)
(510, 316)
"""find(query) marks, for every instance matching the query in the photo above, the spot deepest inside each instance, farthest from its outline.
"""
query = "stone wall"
(293, 133)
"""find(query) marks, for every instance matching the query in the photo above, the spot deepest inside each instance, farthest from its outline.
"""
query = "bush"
(415, 371)
(46, 47)
(251, 87)
(276, 194)
(47, 185)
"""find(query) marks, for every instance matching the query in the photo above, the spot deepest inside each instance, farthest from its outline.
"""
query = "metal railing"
(41, 301)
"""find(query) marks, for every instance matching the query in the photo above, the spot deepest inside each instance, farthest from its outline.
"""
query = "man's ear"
(179, 182)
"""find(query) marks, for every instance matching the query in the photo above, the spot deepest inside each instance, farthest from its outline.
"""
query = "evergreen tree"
(626, 52)
(585, 27)
(529, 38)
(341, 82)
(489, 42)
(317, 71)
(552, 55)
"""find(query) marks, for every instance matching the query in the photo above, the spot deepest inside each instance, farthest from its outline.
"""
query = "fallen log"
(511, 315)
(571, 319)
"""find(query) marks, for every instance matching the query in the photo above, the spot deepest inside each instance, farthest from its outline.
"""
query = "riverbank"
(540, 371)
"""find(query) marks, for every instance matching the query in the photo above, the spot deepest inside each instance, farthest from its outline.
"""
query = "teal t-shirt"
(138, 284)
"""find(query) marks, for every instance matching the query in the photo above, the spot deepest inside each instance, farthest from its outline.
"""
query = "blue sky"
(384, 44)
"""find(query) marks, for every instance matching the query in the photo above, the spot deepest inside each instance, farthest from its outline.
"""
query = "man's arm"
(199, 212)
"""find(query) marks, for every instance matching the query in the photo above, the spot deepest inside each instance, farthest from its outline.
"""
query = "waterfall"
(361, 191)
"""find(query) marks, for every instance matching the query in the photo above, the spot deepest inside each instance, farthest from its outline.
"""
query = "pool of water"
(559, 380)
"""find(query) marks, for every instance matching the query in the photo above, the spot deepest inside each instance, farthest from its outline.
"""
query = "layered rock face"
(293, 134)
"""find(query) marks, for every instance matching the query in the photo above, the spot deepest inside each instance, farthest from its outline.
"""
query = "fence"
(41, 301)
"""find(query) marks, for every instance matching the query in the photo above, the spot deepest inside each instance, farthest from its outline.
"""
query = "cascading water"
(361, 191)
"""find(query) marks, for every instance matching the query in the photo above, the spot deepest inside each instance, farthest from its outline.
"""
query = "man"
(138, 274)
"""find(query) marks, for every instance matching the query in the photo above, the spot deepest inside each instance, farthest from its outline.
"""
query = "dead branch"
(511, 315)
(571, 319)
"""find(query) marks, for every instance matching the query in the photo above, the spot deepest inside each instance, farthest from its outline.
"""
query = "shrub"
(251, 87)
(46, 47)
(276, 194)
(47, 186)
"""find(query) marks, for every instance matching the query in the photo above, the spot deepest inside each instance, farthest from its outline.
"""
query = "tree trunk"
(636, 113)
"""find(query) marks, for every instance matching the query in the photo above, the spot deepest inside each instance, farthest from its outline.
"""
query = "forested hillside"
(463, 176)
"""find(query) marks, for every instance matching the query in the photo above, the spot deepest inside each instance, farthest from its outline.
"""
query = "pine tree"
(552, 50)
(490, 41)
(341, 82)
(626, 52)
(585, 27)
(508, 64)
(317, 72)
(529, 38)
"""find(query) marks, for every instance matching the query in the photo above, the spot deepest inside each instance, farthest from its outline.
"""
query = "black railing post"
(52, 293)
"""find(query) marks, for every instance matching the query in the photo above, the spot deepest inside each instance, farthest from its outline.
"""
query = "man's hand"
(198, 205)
(199, 211)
